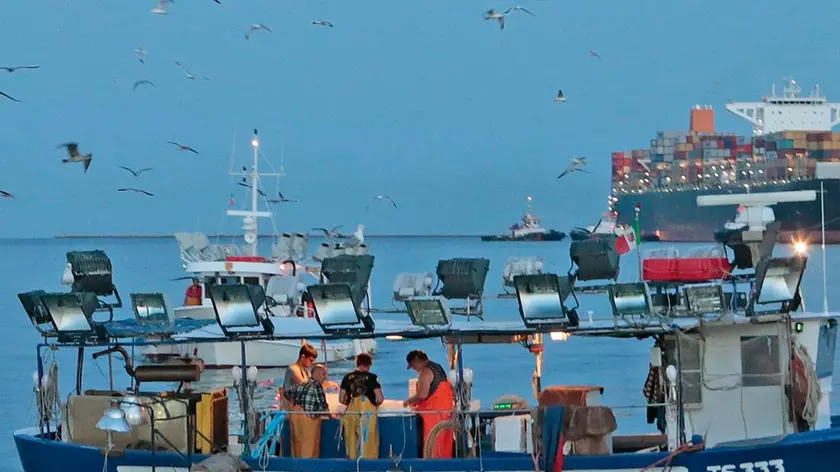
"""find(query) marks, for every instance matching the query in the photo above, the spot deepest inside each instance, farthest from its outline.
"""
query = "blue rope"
(272, 432)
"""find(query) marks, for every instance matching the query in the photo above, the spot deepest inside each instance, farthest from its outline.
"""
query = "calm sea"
(147, 265)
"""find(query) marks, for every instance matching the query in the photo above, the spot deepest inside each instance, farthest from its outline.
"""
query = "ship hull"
(533, 237)
(675, 216)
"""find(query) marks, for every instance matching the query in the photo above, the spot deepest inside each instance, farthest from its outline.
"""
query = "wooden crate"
(211, 419)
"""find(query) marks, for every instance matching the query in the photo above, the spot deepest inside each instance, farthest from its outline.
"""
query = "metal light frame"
(329, 300)
(416, 306)
(409, 285)
(774, 277)
(636, 306)
(698, 297)
(246, 323)
(71, 315)
(140, 303)
(542, 300)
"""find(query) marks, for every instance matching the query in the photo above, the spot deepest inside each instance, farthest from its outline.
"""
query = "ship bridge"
(789, 112)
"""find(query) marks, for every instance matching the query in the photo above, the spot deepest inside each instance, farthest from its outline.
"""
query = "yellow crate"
(211, 420)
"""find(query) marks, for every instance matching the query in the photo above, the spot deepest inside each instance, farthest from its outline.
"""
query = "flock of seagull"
(74, 156)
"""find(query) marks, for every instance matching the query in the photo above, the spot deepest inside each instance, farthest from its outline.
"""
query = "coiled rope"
(429, 446)
(810, 411)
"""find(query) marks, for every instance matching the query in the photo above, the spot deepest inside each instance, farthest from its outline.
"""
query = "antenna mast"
(249, 217)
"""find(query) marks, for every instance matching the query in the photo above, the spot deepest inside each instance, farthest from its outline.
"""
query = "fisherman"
(309, 407)
(434, 401)
(298, 372)
(362, 394)
(193, 295)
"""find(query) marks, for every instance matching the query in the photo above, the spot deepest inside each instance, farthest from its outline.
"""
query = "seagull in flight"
(188, 73)
(494, 15)
(574, 166)
(74, 156)
(518, 8)
(245, 183)
(9, 97)
(181, 147)
(160, 9)
(6, 194)
(141, 82)
(381, 198)
(141, 54)
(594, 54)
(136, 172)
(137, 190)
(560, 97)
(11, 69)
(322, 23)
(330, 233)
(255, 27)
(282, 199)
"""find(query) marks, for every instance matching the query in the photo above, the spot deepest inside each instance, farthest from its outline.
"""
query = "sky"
(421, 100)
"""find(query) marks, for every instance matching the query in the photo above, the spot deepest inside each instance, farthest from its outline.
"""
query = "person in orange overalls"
(434, 401)
(193, 295)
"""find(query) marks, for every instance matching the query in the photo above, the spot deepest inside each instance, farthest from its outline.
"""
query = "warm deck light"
(800, 247)
(255, 143)
(560, 335)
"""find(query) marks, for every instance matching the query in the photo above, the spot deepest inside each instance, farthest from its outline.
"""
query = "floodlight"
(349, 269)
(705, 299)
(408, 285)
(91, 272)
(520, 266)
(630, 299)
(71, 314)
(777, 280)
(282, 249)
(428, 311)
(597, 259)
(325, 251)
(300, 244)
(462, 278)
(149, 308)
(34, 306)
(285, 290)
(336, 311)
(236, 308)
(542, 300)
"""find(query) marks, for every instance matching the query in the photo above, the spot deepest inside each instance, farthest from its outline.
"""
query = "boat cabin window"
(690, 356)
(760, 361)
(208, 281)
(229, 280)
(251, 280)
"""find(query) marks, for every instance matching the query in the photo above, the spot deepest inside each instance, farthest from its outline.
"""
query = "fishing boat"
(282, 276)
(529, 230)
(739, 377)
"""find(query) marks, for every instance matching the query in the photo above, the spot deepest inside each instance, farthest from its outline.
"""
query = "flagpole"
(636, 231)
(822, 225)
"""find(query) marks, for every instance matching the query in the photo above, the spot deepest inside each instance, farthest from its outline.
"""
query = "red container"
(660, 270)
(245, 259)
(685, 269)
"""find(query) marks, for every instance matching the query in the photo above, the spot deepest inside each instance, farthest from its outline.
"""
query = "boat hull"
(262, 354)
(675, 216)
(803, 452)
(533, 237)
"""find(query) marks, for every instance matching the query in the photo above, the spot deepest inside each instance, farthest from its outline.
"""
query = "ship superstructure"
(791, 134)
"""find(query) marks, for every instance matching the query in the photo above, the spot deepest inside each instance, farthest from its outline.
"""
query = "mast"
(249, 217)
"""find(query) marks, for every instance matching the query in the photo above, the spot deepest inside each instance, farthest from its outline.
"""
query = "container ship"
(791, 134)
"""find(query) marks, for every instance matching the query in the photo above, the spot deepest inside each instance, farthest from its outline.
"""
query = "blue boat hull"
(804, 452)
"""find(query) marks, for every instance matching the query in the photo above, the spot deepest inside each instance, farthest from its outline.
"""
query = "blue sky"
(421, 100)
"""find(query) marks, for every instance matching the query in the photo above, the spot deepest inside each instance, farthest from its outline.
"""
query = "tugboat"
(529, 230)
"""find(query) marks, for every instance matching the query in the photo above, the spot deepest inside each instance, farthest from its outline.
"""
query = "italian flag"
(627, 238)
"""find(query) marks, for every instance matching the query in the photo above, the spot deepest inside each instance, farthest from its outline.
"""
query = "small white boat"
(282, 277)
